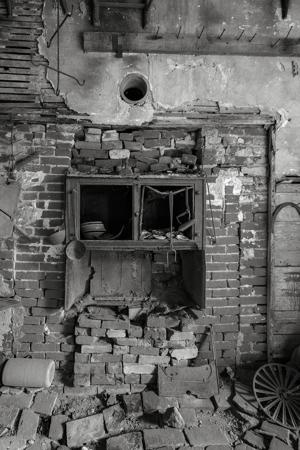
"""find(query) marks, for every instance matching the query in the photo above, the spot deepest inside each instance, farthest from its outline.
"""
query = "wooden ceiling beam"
(98, 41)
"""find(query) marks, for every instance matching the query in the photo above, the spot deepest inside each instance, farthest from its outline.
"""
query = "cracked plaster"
(176, 80)
(229, 177)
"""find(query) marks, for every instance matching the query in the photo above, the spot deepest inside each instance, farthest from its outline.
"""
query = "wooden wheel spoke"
(268, 398)
(266, 384)
(265, 392)
(287, 378)
(276, 412)
(295, 406)
(284, 412)
(294, 390)
(275, 376)
(281, 376)
(270, 376)
(289, 408)
(265, 375)
(272, 404)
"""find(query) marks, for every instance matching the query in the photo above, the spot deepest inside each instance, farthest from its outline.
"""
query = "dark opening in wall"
(161, 204)
(134, 89)
(112, 205)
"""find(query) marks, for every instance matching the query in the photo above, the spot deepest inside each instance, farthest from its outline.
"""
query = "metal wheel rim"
(277, 390)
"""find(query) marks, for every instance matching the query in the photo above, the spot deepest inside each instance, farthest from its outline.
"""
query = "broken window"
(114, 219)
(110, 206)
(167, 212)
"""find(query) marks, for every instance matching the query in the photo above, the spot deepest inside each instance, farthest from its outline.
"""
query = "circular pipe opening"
(134, 89)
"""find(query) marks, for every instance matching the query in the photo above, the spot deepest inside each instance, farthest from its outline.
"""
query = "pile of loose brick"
(139, 151)
(37, 419)
(122, 355)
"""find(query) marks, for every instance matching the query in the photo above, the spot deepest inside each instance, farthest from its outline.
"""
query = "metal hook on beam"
(241, 34)
(199, 37)
(81, 83)
(156, 34)
(286, 36)
(221, 34)
(252, 38)
(288, 33)
(275, 43)
(201, 32)
(179, 31)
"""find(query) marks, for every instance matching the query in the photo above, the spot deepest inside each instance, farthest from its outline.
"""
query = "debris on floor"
(81, 419)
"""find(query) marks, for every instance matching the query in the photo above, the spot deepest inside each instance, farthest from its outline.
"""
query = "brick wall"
(32, 266)
(234, 160)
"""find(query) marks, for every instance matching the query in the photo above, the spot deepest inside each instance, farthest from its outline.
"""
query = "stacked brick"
(120, 355)
(137, 151)
(235, 164)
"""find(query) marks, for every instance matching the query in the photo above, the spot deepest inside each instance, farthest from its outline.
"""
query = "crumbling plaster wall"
(175, 80)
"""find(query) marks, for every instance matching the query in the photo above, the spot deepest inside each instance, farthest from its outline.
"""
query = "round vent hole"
(134, 89)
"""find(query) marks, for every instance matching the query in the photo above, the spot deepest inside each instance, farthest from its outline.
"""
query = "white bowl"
(92, 226)
(91, 235)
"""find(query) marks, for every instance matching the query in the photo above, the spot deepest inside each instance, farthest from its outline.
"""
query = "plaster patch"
(5, 326)
(240, 216)
(46, 223)
(231, 177)
(18, 315)
(225, 74)
(29, 179)
(246, 199)
(54, 252)
(5, 289)
(250, 240)
(240, 339)
(83, 8)
(28, 213)
(282, 118)
(248, 253)
(184, 67)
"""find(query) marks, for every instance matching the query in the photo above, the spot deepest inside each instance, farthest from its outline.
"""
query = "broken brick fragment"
(44, 403)
(277, 444)
(173, 418)
(207, 434)
(133, 404)
(81, 431)
(114, 419)
(128, 441)
(28, 425)
(156, 438)
(8, 416)
(56, 431)
(254, 439)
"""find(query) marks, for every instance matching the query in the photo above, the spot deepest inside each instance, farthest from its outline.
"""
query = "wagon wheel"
(277, 391)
